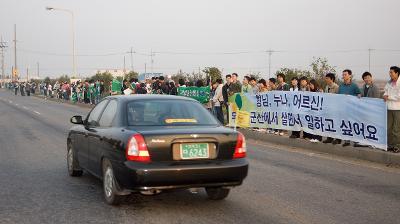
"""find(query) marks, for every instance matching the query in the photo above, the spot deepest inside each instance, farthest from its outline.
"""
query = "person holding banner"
(282, 86)
(294, 87)
(392, 99)
(246, 88)
(262, 86)
(314, 87)
(348, 87)
(272, 84)
(253, 84)
(333, 88)
(369, 89)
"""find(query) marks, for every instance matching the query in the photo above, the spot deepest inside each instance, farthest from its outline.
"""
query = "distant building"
(149, 75)
(115, 72)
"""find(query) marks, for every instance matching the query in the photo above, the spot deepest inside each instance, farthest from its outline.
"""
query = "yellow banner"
(243, 119)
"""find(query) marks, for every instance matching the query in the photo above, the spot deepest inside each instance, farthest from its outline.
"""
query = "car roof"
(127, 98)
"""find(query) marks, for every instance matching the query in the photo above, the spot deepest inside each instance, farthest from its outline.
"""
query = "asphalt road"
(284, 185)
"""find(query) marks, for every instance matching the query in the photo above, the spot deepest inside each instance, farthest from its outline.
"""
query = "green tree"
(320, 68)
(47, 80)
(64, 78)
(256, 75)
(131, 75)
(179, 75)
(290, 73)
(106, 77)
(212, 72)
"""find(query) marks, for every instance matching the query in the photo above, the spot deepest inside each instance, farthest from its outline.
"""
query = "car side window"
(108, 115)
(95, 113)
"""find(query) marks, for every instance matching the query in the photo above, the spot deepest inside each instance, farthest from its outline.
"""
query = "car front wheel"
(110, 185)
(217, 193)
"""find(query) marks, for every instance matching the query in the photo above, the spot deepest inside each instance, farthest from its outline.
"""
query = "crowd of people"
(92, 91)
(391, 95)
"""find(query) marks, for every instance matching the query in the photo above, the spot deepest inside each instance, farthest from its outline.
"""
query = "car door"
(91, 123)
(99, 140)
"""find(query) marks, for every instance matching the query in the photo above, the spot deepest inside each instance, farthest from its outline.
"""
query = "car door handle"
(86, 134)
(101, 138)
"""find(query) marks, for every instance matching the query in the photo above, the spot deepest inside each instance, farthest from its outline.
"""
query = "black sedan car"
(151, 143)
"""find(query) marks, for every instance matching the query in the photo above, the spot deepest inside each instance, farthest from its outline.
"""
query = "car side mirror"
(77, 119)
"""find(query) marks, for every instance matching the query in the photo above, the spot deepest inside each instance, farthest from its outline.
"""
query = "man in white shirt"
(218, 100)
(392, 98)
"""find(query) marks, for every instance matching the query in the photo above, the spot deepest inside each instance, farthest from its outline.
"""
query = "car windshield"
(168, 113)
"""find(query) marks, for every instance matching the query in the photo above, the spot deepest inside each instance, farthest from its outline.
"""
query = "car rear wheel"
(73, 167)
(110, 185)
(217, 193)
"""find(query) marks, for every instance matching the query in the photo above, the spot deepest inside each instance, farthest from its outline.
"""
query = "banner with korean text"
(362, 120)
(201, 94)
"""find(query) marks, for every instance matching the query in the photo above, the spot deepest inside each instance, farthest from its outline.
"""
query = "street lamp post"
(73, 35)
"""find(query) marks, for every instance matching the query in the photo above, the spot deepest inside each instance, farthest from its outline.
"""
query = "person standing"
(246, 87)
(50, 90)
(392, 99)
(173, 90)
(314, 87)
(294, 87)
(218, 101)
(253, 85)
(262, 86)
(235, 86)
(225, 91)
(22, 89)
(369, 89)
(28, 89)
(303, 84)
(16, 87)
(272, 84)
(348, 87)
(333, 88)
(282, 86)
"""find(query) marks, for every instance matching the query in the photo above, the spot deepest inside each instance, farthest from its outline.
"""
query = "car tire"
(74, 169)
(110, 185)
(217, 193)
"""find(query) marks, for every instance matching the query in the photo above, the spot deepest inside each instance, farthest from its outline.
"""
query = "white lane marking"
(36, 112)
(10, 101)
(16, 104)
(26, 108)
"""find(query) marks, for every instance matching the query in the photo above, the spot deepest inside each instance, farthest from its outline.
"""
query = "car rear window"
(168, 113)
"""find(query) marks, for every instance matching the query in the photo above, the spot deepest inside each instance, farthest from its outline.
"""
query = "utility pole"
(124, 66)
(15, 71)
(269, 62)
(27, 74)
(38, 71)
(152, 62)
(2, 46)
(145, 69)
(369, 59)
(131, 52)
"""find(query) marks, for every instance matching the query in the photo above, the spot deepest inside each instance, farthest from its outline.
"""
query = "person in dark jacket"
(369, 89)
(173, 90)
(225, 90)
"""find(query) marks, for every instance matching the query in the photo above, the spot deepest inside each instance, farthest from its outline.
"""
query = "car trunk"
(188, 143)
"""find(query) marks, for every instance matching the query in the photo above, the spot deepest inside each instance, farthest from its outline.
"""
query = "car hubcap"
(108, 182)
(70, 159)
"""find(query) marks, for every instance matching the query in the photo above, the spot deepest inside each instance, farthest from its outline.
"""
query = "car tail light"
(240, 149)
(136, 150)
